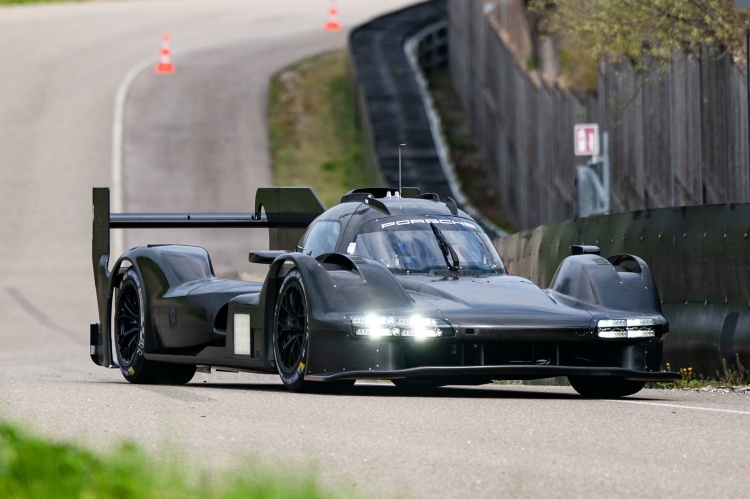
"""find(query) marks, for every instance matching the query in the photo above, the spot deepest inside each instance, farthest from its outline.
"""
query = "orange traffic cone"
(165, 65)
(333, 22)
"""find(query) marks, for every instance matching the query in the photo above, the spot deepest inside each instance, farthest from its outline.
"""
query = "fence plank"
(678, 138)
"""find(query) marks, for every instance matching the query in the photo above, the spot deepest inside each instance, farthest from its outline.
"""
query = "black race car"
(386, 285)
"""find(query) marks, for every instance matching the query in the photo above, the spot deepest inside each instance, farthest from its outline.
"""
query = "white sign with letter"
(586, 139)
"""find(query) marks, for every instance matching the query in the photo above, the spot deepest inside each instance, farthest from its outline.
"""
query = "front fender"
(336, 285)
(339, 284)
(620, 283)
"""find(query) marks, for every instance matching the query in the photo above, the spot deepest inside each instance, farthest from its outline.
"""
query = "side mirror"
(580, 249)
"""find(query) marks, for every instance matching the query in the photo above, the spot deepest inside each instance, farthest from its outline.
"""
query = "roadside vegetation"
(731, 378)
(316, 141)
(314, 138)
(645, 33)
(467, 159)
(33, 467)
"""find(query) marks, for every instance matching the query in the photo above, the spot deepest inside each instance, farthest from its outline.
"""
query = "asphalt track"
(196, 140)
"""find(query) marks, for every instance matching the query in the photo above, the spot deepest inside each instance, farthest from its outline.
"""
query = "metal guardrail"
(390, 110)
(432, 47)
(388, 59)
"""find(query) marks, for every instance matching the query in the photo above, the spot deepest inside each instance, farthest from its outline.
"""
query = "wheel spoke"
(290, 352)
(290, 327)
(128, 322)
(299, 309)
(130, 346)
(285, 305)
(128, 311)
(130, 331)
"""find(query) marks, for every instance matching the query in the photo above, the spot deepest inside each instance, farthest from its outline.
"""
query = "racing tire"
(604, 388)
(130, 331)
(291, 339)
(291, 336)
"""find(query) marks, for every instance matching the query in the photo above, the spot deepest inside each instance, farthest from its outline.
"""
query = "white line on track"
(691, 407)
(118, 129)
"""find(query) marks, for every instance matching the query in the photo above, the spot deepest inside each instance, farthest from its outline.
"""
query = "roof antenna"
(399, 168)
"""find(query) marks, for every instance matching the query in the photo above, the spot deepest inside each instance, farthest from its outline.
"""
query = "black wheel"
(604, 388)
(291, 336)
(130, 338)
(291, 339)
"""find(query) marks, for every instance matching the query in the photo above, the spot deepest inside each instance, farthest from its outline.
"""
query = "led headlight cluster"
(415, 326)
(626, 328)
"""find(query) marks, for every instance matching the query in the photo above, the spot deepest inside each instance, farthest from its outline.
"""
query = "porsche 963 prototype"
(386, 285)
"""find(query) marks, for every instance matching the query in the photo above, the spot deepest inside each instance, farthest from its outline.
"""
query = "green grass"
(314, 138)
(727, 377)
(32, 467)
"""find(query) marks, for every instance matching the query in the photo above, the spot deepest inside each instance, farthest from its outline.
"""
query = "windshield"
(413, 246)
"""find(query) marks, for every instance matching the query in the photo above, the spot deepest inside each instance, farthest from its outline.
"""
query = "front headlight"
(627, 328)
(414, 326)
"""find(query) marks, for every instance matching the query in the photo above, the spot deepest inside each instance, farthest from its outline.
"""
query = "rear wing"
(285, 211)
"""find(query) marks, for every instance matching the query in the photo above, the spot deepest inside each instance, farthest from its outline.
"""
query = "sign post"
(592, 179)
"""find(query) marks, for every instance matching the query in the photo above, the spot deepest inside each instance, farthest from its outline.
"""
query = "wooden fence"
(677, 137)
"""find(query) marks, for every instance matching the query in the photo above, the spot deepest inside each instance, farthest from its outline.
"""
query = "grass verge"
(736, 378)
(33, 467)
(315, 140)
(313, 133)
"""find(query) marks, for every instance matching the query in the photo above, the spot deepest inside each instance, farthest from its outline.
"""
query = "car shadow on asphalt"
(527, 392)
(388, 390)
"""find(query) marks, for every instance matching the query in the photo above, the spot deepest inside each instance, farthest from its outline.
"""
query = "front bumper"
(475, 374)
(481, 358)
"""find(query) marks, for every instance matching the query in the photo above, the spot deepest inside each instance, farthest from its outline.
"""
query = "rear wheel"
(606, 388)
(130, 338)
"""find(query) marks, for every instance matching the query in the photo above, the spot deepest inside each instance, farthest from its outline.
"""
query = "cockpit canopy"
(413, 245)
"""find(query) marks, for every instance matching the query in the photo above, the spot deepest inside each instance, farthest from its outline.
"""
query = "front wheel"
(605, 388)
(291, 340)
(291, 337)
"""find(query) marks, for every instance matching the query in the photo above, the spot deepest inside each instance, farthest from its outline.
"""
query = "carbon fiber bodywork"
(484, 325)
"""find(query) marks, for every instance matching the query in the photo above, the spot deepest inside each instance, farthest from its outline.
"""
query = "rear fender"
(160, 268)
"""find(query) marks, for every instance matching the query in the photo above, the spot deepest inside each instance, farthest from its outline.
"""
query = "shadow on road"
(388, 390)
(385, 389)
